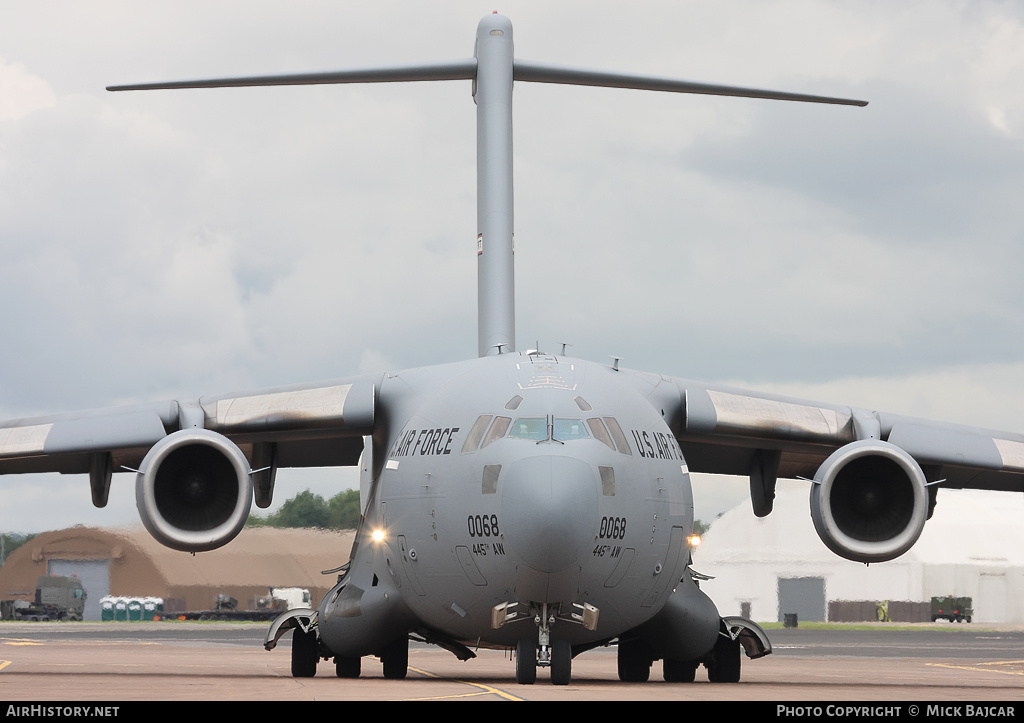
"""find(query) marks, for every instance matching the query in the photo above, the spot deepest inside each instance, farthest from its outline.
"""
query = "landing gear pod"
(194, 490)
(869, 502)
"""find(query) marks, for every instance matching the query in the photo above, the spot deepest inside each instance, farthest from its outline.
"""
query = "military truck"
(57, 598)
(953, 609)
(268, 607)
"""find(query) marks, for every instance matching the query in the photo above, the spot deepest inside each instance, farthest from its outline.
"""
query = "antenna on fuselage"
(492, 70)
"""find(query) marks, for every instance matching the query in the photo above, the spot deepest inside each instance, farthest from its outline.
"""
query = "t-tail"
(493, 69)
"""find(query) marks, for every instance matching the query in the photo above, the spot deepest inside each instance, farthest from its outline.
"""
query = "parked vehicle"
(953, 609)
(57, 598)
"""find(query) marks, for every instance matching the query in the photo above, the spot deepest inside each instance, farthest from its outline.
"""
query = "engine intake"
(194, 490)
(869, 502)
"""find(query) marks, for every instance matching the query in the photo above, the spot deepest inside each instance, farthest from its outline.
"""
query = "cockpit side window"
(497, 430)
(599, 431)
(618, 436)
(476, 433)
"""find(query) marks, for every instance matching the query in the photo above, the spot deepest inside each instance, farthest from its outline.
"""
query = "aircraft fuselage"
(519, 478)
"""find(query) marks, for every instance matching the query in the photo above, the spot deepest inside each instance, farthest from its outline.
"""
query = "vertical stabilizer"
(495, 273)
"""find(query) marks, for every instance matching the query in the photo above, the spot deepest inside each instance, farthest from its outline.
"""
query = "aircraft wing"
(199, 464)
(874, 476)
(312, 425)
(726, 430)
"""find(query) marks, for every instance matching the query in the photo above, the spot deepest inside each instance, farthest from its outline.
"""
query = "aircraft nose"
(549, 504)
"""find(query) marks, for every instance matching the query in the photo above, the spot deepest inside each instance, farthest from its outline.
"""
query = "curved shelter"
(129, 562)
(973, 546)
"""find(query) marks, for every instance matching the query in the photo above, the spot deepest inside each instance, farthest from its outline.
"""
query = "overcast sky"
(170, 244)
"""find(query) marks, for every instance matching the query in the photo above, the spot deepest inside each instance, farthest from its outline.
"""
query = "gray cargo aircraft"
(521, 500)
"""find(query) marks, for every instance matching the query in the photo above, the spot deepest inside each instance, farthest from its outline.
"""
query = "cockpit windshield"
(535, 429)
(540, 429)
(566, 430)
(544, 429)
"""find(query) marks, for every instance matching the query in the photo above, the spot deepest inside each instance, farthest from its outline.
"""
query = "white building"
(973, 546)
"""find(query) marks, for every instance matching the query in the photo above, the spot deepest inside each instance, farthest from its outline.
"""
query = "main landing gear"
(306, 655)
(307, 651)
(724, 666)
(394, 657)
(723, 663)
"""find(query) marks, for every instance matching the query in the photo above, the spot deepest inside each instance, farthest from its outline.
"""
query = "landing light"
(377, 535)
(693, 540)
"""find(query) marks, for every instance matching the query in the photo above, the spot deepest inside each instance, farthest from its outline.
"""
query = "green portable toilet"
(135, 609)
(107, 608)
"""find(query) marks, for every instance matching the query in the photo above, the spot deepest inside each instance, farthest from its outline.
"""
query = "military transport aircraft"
(522, 500)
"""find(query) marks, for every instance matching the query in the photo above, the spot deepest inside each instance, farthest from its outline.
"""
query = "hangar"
(765, 568)
(129, 562)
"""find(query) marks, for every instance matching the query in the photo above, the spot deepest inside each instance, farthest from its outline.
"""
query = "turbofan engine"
(194, 490)
(869, 502)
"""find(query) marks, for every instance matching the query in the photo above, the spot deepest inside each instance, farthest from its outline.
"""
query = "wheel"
(305, 654)
(635, 659)
(396, 659)
(725, 661)
(561, 662)
(679, 671)
(526, 662)
(345, 667)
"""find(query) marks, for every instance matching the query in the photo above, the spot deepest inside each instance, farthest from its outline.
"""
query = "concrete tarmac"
(226, 662)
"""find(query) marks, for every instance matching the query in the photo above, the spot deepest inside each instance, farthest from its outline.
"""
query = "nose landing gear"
(545, 653)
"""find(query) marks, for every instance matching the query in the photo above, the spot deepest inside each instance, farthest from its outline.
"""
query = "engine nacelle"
(194, 490)
(869, 502)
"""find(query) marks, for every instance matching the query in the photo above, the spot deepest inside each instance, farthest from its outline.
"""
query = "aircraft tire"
(396, 659)
(725, 661)
(561, 662)
(345, 667)
(635, 661)
(526, 662)
(305, 655)
(679, 671)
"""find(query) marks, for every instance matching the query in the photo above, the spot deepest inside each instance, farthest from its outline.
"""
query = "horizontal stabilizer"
(542, 73)
(466, 70)
(449, 70)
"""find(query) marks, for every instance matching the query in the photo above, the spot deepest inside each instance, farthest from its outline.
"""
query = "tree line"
(340, 512)
(11, 541)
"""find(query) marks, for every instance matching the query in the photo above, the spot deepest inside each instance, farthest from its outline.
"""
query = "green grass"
(951, 627)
